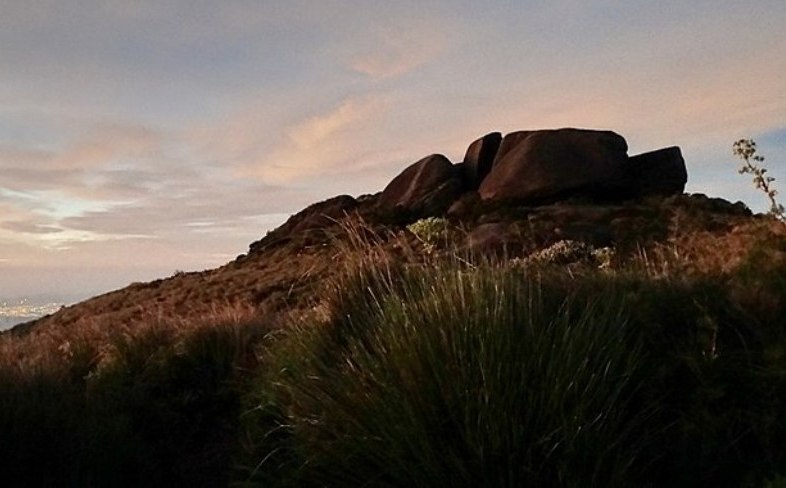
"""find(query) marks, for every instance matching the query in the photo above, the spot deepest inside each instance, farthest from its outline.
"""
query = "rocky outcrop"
(660, 172)
(544, 165)
(317, 216)
(493, 238)
(525, 168)
(479, 159)
(426, 188)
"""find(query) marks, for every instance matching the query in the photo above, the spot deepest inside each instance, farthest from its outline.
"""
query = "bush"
(430, 232)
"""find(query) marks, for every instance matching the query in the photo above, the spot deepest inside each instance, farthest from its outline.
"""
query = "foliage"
(567, 252)
(745, 149)
(430, 232)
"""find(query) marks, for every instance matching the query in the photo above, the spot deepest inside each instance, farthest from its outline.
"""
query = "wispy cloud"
(84, 162)
(312, 146)
(320, 128)
(30, 227)
(399, 49)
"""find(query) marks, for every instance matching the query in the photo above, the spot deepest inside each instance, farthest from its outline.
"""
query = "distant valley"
(15, 311)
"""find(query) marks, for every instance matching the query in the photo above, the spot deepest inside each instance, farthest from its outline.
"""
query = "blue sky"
(137, 138)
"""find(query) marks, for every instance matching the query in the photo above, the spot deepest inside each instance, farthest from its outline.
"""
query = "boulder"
(491, 238)
(322, 214)
(317, 216)
(660, 172)
(465, 206)
(426, 188)
(543, 165)
(479, 158)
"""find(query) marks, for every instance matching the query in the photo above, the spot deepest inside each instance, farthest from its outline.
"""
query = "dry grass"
(48, 349)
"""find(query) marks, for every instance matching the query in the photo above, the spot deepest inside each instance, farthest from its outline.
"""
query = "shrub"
(430, 232)
(570, 252)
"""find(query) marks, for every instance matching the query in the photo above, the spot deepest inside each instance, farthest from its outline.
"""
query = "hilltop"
(532, 167)
(489, 321)
(533, 199)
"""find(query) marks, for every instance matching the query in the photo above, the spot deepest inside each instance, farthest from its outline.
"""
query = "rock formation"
(532, 168)
(424, 189)
(479, 159)
(535, 166)
(660, 172)
(314, 217)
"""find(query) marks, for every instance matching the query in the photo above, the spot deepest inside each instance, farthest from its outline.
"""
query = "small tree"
(745, 149)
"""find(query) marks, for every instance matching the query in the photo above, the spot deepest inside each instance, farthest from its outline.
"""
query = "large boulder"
(660, 172)
(479, 158)
(542, 165)
(426, 188)
(491, 238)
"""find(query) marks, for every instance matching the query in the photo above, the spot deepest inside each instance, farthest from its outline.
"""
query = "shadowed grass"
(160, 409)
(452, 376)
(491, 374)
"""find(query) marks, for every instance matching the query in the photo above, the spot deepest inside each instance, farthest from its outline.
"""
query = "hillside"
(630, 203)
(490, 322)
(284, 270)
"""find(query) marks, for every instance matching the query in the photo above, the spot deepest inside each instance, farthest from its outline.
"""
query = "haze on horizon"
(140, 138)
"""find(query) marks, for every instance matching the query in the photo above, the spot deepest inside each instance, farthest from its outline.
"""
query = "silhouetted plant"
(745, 149)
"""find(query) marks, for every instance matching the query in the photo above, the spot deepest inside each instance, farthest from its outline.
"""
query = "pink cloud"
(399, 49)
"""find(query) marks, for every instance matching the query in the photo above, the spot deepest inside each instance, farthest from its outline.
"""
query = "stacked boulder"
(535, 167)
(425, 188)
(479, 159)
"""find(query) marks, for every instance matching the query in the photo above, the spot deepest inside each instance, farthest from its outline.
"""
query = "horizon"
(137, 140)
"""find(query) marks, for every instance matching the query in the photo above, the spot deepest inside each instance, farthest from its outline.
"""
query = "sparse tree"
(745, 149)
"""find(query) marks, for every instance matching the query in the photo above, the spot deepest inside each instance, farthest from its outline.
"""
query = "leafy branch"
(745, 149)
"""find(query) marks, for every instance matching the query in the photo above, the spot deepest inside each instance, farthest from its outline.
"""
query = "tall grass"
(446, 375)
(486, 374)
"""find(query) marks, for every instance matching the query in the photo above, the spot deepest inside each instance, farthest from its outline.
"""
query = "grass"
(160, 408)
(487, 374)
(665, 368)
(470, 378)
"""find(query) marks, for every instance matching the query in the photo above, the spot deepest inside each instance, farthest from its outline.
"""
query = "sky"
(140, 138)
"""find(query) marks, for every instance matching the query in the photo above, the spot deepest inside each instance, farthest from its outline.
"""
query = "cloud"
(400, 49)
(81, 162)
(314, 145)
(127, 182)
(319, 129)
(30, 227)
(109, 144)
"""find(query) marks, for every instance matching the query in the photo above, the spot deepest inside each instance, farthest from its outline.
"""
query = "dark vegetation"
(660, 361)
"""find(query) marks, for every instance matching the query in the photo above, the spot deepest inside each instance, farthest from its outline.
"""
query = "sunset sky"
(139, 138)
